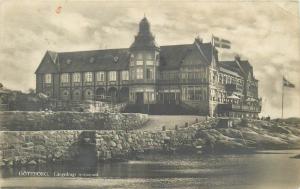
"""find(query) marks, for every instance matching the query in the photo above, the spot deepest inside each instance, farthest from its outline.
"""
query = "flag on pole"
(221, 43)
(286, 83)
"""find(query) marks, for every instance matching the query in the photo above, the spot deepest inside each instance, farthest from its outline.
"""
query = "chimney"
(237, 57)
(198, 40)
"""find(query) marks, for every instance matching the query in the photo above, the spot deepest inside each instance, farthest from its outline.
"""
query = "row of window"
(139, 73)
(146, 97)
(189, 75)
(87, 77)
(226, 79)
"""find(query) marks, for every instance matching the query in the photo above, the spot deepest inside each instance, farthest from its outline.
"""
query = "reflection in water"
(260, 171)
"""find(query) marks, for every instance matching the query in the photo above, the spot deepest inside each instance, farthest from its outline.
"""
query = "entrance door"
(139, 98)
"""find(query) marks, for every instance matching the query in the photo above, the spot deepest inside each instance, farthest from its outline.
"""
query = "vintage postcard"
(149, 94)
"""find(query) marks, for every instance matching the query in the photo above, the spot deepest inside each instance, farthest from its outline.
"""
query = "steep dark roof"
(171, 56)
(231, 65)
(108, 59)
(228, 71)
(247, 67)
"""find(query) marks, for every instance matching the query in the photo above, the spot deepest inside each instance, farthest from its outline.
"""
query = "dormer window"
(116, 59)
(69, 61)
(92, 60)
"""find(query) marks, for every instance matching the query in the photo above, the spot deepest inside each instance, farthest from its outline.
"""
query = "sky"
(267, 33)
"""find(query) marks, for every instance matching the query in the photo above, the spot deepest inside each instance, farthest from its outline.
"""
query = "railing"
(193, 81)
(142, 81)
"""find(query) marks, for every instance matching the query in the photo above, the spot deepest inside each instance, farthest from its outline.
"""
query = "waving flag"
(221, 43)
(286, 83)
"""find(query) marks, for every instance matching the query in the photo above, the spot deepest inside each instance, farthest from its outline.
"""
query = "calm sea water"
(264, 170)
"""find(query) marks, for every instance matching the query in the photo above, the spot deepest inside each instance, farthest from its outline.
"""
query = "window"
(139, 62)
(139, 73)
(149, 73)
(65, 93)
(48, 78)
(125, 75)
(76, 77)
(65, 78)
(112, 76)
(88, 77)
(149, 97)
(149, 62)
(100, 76)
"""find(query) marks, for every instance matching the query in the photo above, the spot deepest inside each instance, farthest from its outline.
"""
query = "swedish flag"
(286, 83)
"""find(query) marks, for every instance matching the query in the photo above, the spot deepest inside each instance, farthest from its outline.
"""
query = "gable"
(47, 65)
(171, 56)
(195, 57)
(174, 56)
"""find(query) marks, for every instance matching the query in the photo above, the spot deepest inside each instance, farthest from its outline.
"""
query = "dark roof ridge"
(176, 45)
(92, 50)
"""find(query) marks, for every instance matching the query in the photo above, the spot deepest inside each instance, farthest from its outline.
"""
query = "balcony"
(193, 81)
(142, 81)
(239, 108)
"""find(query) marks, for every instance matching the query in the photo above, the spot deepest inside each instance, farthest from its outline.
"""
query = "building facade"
(186, 77)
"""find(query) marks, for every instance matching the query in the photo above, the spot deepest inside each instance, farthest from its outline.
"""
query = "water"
(264, 170)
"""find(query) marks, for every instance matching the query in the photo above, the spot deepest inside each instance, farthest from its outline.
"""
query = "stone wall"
(34, 121)
(33, 147)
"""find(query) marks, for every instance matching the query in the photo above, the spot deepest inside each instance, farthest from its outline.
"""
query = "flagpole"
(282, 97)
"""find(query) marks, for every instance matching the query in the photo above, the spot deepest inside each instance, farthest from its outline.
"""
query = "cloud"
(265, 33)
